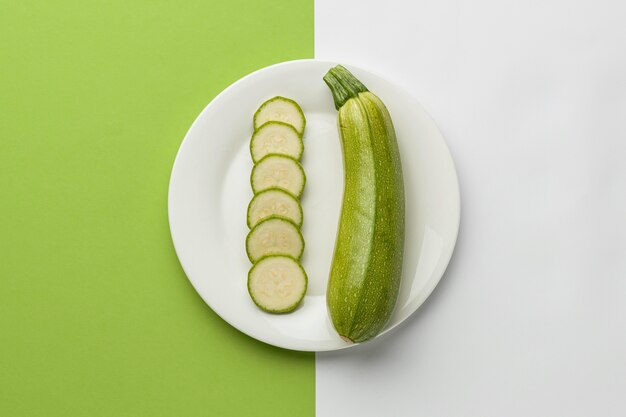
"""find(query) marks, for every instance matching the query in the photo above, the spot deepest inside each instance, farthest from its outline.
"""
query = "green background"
(96, 315)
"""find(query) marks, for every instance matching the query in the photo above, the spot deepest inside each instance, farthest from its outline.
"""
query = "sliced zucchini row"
(274, 201)
(277, 284)
(278, 171)
(278, 138)
(280, 109)
(274, 235)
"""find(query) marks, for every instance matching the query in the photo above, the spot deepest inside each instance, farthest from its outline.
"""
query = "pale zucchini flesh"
(280, 109)
(274, 235)
(277, 283)
(367, 262)
(278, 171)
(277, 138)
(274, 201)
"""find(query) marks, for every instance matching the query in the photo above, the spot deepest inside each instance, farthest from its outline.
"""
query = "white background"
(530, 318)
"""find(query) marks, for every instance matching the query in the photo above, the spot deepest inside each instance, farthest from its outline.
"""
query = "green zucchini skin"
(367, 262)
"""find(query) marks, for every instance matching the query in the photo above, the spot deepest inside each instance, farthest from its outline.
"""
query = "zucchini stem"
(343, 85)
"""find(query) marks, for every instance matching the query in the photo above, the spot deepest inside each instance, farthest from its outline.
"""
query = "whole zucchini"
(367, 262)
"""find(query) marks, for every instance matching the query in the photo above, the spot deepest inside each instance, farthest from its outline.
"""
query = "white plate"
(210, 190)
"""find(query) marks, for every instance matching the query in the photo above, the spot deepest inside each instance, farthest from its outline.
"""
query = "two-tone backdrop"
(97, 317)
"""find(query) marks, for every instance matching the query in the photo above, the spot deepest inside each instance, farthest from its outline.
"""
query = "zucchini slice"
(280, 109)
(274, 235)
(274, 201)
(277, 284)
(278, 171)
(278, 138)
